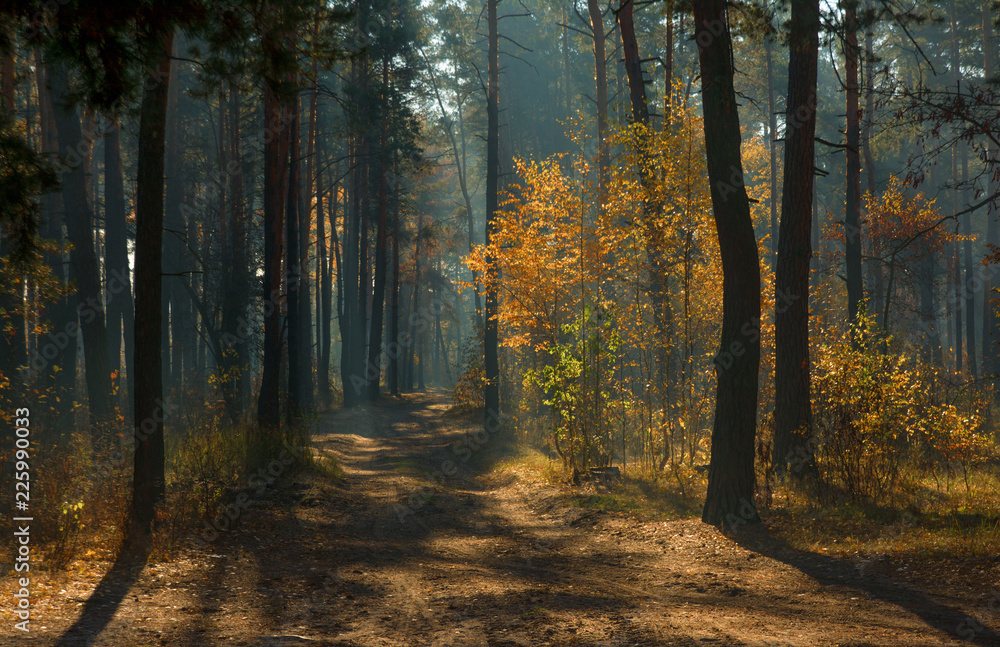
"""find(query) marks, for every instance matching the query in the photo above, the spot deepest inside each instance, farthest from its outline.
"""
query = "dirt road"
(420, 546)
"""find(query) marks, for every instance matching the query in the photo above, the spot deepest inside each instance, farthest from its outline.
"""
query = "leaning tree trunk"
(792, 406)
(729, 501)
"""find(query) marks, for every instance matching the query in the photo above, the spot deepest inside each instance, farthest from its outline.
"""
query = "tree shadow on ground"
(832, 571)
(103, 603)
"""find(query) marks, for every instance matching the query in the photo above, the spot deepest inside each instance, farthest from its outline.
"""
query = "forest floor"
(393, 554)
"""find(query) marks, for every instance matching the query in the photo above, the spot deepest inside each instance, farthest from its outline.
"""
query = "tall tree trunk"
(491, 350)
(875, 266)
(275, 176)
(991, 318)
(325, 292)
(174, 246)
(668, 66)
(601, 80)
(79, 220)
(118, 273)
(233, 360)
(310, 193)
(394, 338)
(374, 370)
(62, 313)
(651, 210)
(772, 145)
(293, 271)
(729, 500)
(149, 483)
(13, 344)
(852, 216)
(792, 410)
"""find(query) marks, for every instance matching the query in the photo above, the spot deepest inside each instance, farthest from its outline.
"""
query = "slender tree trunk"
(374, 369)
(852, 216)
(233, 360)
(293, 268)
(793, 412)
(78, 220)
(174, 246)
(601, 80)
(651, 210)
(61, 383)
(668, 66)
(875, 265)
(118, 273)
(393, 370)
(991, 319)
(772, 145)
(149, 483)
(325, 292)
(491, 390)
(729, 500)
(310, 193)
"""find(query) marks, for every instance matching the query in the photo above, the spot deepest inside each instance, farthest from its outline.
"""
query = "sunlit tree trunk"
(729, 500)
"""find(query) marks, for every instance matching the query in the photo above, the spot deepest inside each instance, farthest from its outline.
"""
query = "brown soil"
(413, 550)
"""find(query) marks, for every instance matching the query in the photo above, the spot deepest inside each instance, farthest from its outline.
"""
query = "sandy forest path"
(420, 545)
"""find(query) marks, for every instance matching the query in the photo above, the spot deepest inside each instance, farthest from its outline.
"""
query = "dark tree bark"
(652, 229)
(118, 273)
(772, 145)
(491, 390)
(875, 266)
(374, 369)
(275, 172)
(78, 219)
(13, 343)
(729, 501)
(325, 292)
(792, 406)
(232, 360)
(149, 484)
(601, 80)
(309, 193)
(293, 270)
(62, 313)
(991, 318)
(394, 338)
(852, 216)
